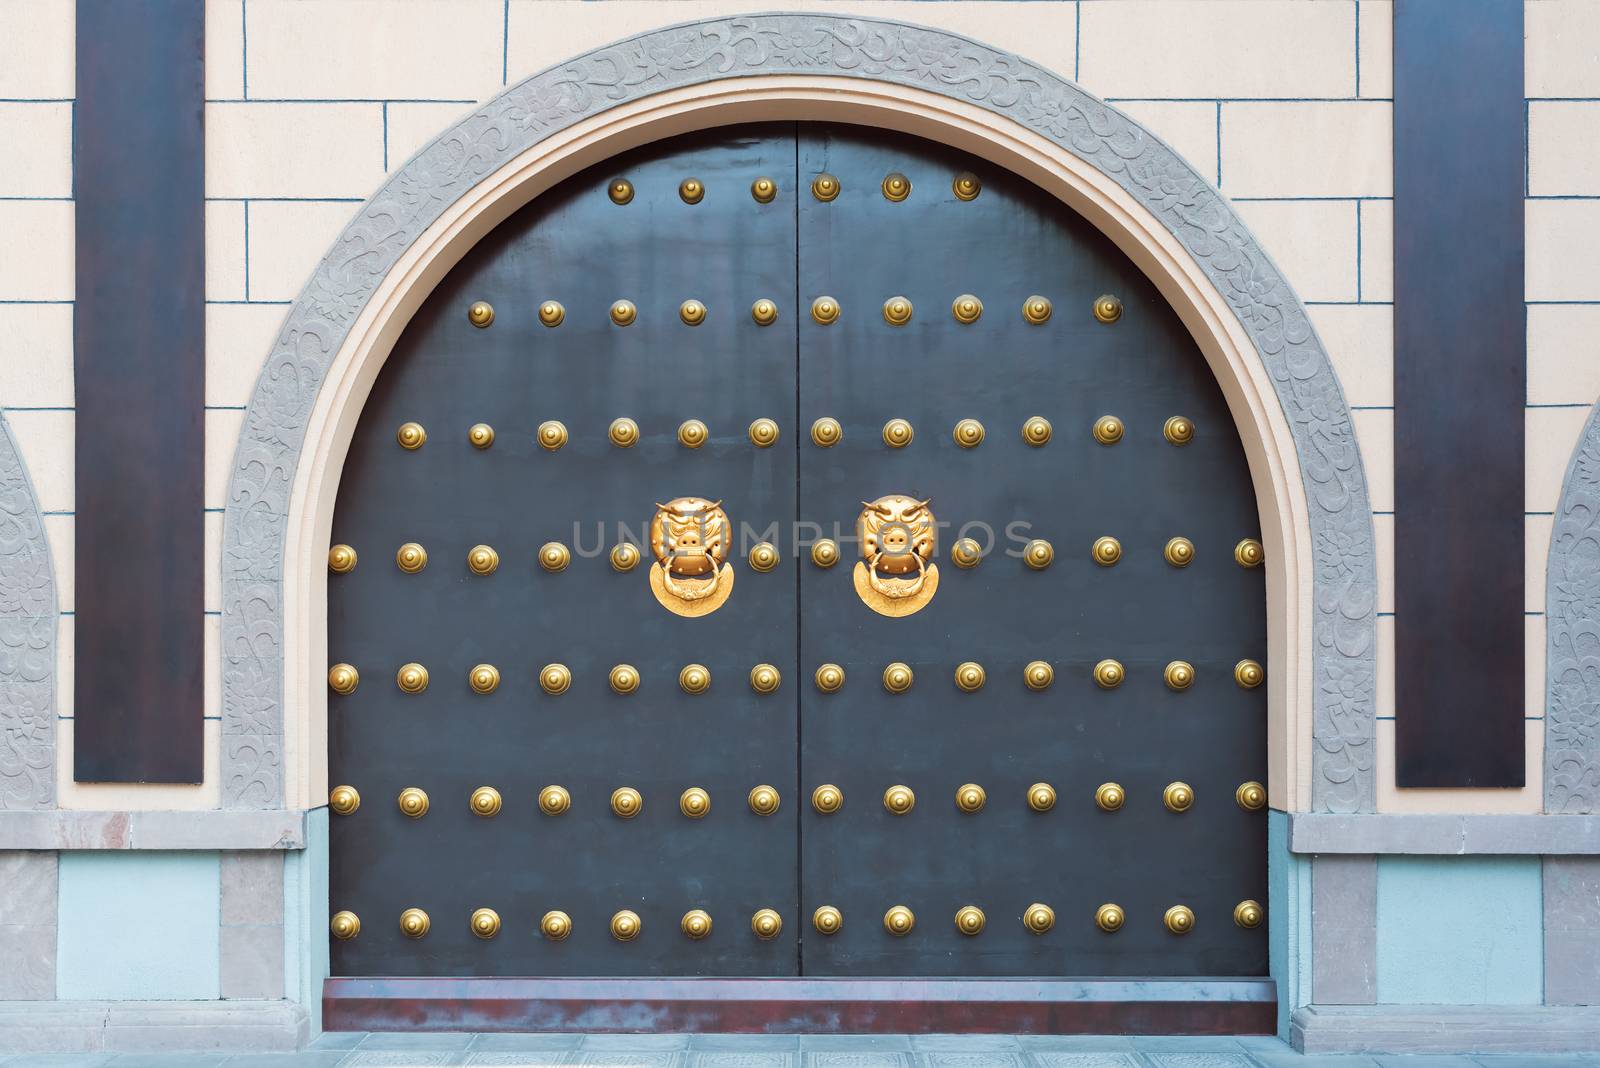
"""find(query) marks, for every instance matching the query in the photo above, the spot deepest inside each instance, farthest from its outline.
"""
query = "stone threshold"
(1545, 1029)
(151, 1026)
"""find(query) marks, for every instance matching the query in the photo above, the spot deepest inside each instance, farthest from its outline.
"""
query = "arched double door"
(950, 661)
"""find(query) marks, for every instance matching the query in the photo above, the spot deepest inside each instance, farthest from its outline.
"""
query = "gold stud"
(623, 432)
(826, 432)
(763, 800)
(1178, 797)
(897, 433)
(763, 557)
(411, 678)
(970, 797)
(624, 678)
(552, 314)
(1108, 430)
(1107, 308)
(829, 678)
(1038, 554)
(411, 558)
(1248, 553)
(1179, 675)
(555, 925)
(970, 676)
(485, 923)
(621, 191)
(1108, 674)
(970, 920)
(341, 559)
(827, 799)
(1109, 796)
(766, 924)
(1178, 430)
(414, 923)
(481, 435)
(765, 678)
(692, 433)
(695, 678)
(411, 436)
(624, 557)
(966, 553)
(825, 310)
(966, 186)
(626, 802)
(1251, 796)
(344, 800)
(483, 560)
(485, 678)
(1107, 551)
(968, 433)
(1248, 914)
(1039, 918)
(626, 925)
(897, 311)
(554, 556)
(1036, 310)
(1041, 797)
(691, 191)
(899, 921)
(1109, 918)
(485, 802)
(413, 802)
(696, 924)
(827, 920)
(825, 187)
(554, 679)
(692, 312)
(896, 187)
(1036, 431)
(554, 800)
(480, 313)
(552, 435)
(764, 312)
(623, 313)
(343, 679)
(967, 309)
(1179, 919)
(825, 552)
(1248, 674)
(764, 190)
(897, 677)
(763, 433)
(695, 803)
(1038, 675)
(899, 800)
(1179, 552)
(345, 925)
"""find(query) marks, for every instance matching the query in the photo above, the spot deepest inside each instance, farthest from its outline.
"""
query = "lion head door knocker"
(690, 537)
(896, 575)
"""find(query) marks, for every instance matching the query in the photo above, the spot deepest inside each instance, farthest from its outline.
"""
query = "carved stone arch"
(1572, 624)
(1254, 331)
(28, 621)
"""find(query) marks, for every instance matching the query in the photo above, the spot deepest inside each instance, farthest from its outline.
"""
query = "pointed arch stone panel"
(28, 620)
(1344, 582)
(1572, 624)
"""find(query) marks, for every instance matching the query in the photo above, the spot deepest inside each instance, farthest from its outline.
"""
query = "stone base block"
(1445, 1029)
(151, 1026)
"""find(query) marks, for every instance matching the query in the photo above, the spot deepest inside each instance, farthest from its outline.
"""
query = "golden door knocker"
(690, 537)
(896, 575)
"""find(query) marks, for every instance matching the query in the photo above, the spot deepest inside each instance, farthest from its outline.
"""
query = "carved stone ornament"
(28, 621)
(729, 49)
(1572, 619)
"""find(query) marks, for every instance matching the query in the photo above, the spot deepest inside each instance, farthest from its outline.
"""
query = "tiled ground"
(782, 1051)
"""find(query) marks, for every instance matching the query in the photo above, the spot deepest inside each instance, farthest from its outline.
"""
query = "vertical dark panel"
(1459, 382)
(139, 349)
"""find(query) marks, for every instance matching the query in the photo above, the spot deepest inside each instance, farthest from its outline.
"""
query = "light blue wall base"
(1288, 920)
(1460, 931)
(139, 926)
(305, 918)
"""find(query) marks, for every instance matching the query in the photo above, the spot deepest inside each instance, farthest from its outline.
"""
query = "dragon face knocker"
(896, 575)
(690, 537)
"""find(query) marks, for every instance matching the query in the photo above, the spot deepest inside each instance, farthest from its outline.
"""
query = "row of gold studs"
(826, 188)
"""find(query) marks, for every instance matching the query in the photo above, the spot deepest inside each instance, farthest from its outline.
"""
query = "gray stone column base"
(1445, 1029)
(151, 1026)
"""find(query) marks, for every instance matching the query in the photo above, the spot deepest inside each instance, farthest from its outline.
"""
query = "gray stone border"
(189, 829)
(1572, 625)
(28, 623)
(1345, 579)
(1439, 834)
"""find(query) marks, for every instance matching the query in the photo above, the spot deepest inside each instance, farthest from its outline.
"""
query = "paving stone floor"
(783, 1051)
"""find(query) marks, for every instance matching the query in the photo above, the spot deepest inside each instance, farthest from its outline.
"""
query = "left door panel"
(575, 245)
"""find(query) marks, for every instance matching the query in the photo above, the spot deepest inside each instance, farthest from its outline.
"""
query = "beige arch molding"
(1253, 330)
